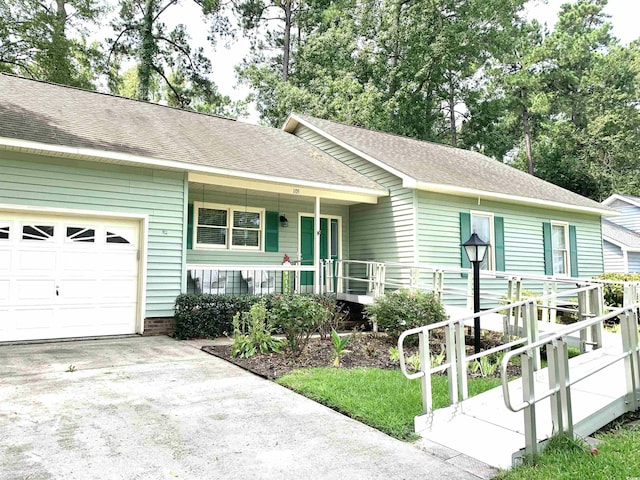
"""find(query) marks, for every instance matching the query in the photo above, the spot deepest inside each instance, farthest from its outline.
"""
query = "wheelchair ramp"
(484, 429)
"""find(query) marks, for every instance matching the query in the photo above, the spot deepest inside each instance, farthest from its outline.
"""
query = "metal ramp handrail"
(560, 379)
(456, 357)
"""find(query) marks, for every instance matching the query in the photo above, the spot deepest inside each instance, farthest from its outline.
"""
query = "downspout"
(316, 248)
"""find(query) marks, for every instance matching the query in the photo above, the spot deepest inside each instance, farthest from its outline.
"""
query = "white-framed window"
(560, 247)
(482, 225)
(227, 227)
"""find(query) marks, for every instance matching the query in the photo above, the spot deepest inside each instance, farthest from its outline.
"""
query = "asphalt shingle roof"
(620, 234)
(448, 166)
(59, 115)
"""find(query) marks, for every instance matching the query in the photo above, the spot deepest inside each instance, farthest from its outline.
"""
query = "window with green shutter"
(489, 228)
(272, 224)
(560, 249)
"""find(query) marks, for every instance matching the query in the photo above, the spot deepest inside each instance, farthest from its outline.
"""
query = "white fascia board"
(33, 147)
(471, 192)
(616, 196)
(292, 122)
(346, 194)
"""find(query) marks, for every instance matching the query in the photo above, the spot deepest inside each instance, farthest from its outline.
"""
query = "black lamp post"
(476, 250)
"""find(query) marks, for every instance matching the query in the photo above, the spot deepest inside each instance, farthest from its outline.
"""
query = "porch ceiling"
(336, 194)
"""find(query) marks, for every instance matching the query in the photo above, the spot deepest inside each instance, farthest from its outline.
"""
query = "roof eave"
(28, 146)
(471, 192)
(617, 196)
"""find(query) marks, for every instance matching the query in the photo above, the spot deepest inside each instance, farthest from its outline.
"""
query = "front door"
(329, 242)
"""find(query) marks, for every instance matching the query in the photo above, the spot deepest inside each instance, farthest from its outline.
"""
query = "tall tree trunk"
(527, 136)
(145, 68)
(60, 68)
(452, 112)
(286, 52)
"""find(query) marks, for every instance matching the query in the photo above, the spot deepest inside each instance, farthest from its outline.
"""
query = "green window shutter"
(190, 226)
(465, 233)
(573, 250)
(498, 234)
(548, 248)
(272, 224)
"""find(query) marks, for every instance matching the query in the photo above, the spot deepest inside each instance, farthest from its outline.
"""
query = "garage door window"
(81, 234)
(37, 232)
(4, 232)
(115, 238)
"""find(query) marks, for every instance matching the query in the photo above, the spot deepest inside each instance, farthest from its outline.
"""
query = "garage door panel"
(67, 276)
(121, 263)
(4, 293)
(41, 261)
(114, 315)
(78, 263)
(33, 319)
(33, 289)
(5, 262)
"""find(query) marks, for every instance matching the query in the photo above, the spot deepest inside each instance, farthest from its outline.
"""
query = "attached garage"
(64, 276)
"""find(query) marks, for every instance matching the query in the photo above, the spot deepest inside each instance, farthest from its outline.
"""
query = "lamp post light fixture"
(476, 250)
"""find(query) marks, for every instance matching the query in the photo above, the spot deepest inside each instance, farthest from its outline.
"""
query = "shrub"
(252, 333)
(614, 292)
(297, 316)
(208, 316)
(335, 313)
(405, 309)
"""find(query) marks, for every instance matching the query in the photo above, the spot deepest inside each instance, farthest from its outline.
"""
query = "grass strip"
(383, 399)
(568, 459)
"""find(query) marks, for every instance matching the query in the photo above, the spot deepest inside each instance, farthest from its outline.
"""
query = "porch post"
(316, 249)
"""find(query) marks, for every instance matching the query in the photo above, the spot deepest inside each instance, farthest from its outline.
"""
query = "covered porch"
(260, 236)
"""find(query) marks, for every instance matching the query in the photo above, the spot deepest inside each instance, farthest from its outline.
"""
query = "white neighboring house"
(621, 235)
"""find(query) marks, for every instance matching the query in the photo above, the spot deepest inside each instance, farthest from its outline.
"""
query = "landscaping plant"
(252, 333)
(335, 314)
(297, 317)
(405, 309)
(614, 292)
(339, 346)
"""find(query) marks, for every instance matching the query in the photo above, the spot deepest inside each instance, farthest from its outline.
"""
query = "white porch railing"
(249, 279)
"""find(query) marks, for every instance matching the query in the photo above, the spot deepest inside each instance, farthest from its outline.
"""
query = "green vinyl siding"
(439, 235)
(83, 185)
(289, 205)
(384, 231)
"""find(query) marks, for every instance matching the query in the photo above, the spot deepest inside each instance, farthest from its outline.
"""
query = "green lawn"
(618, 458)
(383, 399)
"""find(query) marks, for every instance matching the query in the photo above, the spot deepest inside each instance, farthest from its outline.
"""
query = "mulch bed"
(366, 349)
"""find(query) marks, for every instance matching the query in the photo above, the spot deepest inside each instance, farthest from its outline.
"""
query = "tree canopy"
(560, 103)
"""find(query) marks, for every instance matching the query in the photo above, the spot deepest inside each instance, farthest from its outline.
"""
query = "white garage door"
(67, 276)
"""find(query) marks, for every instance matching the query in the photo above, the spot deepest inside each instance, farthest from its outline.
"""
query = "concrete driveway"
(156, 408)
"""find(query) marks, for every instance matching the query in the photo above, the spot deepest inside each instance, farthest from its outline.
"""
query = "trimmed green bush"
(298, 317)
(208, 316)
(614, 293)
(405, 309)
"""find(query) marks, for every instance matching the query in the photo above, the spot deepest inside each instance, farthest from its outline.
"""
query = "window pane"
(246, 219)
(558, 236)
(4, 232)
(559, 262)
(81, 234)
(37, 232)
(245, 238)
(212, 236)
(482, 227)
(212, 216)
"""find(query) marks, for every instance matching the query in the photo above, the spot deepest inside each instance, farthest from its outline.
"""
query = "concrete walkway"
(156, 408)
